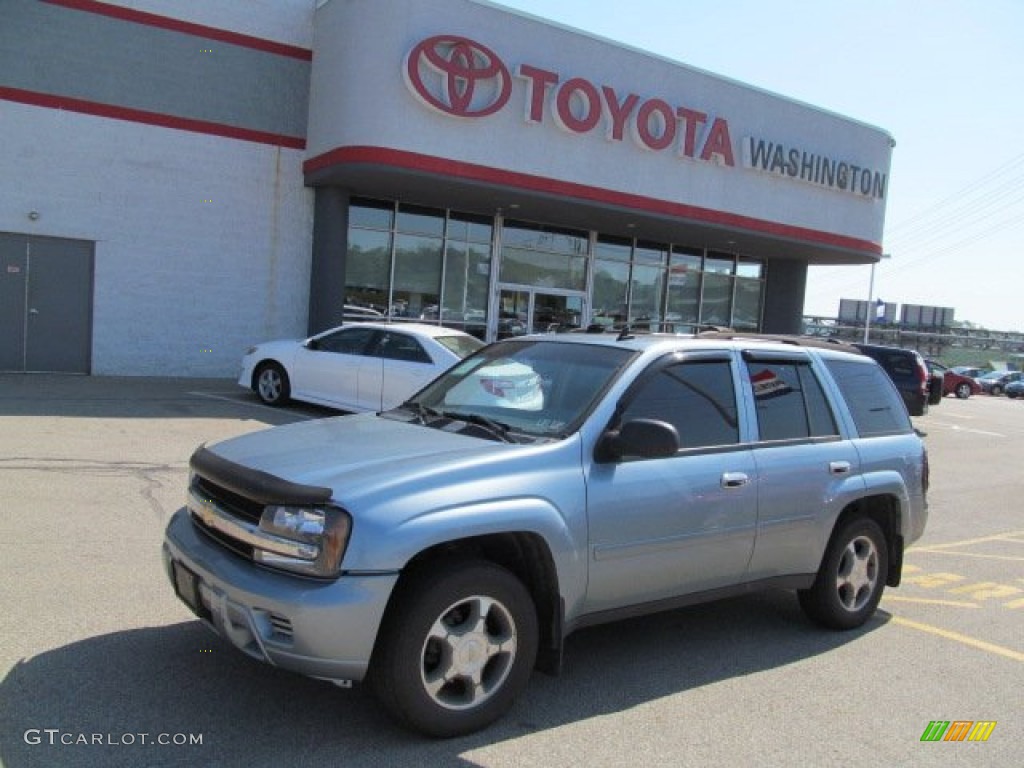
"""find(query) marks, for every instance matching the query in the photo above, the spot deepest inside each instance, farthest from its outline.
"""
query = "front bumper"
(324, 630)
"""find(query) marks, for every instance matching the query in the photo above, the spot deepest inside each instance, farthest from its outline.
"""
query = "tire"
(996, 390)
(851, 579)
(271, 384)
(963, 390)
(456, 647)
(1012, 394)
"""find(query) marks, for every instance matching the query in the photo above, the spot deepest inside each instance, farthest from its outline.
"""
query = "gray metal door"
(46, 287)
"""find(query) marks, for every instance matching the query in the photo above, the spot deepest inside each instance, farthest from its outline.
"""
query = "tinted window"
(874, 403)
(399, 346)
(350, 341)
(697, 398)
(790, 402)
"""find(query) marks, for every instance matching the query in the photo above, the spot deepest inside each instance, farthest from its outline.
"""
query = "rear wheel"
(852, 576)
(272, 384)
(456, 649)
(997, 389)
(963, 390)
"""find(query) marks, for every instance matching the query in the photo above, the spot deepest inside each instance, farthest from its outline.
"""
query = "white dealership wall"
(202, 242)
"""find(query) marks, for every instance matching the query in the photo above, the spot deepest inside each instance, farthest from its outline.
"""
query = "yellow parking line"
(971, 554)
(973, 642)
(925, 601)
(998, 537)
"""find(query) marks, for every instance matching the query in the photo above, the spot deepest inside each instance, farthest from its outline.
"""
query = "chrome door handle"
(33, 311)
(839, 467)
(734, 479)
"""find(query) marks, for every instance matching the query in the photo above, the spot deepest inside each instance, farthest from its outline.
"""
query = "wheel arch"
(885, 510)
(524, 554)
(258, 368)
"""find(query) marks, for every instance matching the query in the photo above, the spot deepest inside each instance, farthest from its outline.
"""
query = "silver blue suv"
(442, 550)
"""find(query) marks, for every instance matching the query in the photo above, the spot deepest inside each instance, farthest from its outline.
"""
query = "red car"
(953, 383)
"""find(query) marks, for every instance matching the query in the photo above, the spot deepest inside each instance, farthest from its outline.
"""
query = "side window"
(348, 341)
(790, 402)
(697, 398)
(876, 406)
(399, 346)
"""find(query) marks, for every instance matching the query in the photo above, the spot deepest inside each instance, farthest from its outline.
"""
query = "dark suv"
(909, 373)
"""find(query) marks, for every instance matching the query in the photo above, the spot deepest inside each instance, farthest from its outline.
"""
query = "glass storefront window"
(467, 275)
(720, 263)
(746, 311)
(419, 220)
(613, 248)
(370, 214)
(716, 299)
(650, 253)
(645, 298)
(749, 268)
(418, 263)
(368, 268)
(416, 284)
(611, 292)
(543, 257)
(684, 274)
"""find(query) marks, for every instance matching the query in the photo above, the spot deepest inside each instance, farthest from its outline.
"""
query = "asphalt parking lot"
(102, 666)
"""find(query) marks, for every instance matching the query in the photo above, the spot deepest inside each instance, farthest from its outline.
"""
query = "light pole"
(871, 297)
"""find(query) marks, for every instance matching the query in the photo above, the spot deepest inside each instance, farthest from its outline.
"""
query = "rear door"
(405, 368)
(803, 466)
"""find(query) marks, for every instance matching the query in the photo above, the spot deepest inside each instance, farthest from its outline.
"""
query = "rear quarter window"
(874, 403)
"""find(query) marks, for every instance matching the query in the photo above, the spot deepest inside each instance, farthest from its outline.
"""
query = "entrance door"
(45, 304)
(525, 310)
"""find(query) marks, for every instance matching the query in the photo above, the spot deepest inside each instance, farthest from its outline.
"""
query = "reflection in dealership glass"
(519, 390)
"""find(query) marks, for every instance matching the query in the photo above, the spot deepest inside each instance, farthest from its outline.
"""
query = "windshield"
(533, 389)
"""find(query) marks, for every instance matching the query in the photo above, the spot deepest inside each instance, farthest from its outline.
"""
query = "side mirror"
(644, 438)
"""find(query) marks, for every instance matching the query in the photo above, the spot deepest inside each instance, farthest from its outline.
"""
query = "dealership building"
(181, 180)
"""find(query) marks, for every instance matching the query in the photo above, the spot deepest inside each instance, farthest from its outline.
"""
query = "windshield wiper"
(496, 428)
(424, 412)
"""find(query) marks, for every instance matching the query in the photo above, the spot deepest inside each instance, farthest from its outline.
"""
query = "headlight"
(320, 535)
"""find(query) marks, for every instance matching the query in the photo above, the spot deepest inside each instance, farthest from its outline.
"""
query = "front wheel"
(996, 390)
(963, 390)
(456, 648)
(852, 576)
(272, 384)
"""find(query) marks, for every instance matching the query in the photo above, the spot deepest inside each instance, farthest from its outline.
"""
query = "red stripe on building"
(185, 27)
(383, 156)
(149, 118)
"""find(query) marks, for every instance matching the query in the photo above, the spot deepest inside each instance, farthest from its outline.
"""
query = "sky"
(944, 77)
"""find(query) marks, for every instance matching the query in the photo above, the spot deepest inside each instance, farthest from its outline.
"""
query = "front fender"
(563, 534)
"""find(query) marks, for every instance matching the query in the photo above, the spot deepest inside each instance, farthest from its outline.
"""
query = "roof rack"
(795, 340)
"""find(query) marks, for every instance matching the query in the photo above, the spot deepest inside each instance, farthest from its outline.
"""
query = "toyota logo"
(457, 76)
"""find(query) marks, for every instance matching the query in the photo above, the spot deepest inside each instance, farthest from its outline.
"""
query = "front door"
(45, 304)
(530, 310)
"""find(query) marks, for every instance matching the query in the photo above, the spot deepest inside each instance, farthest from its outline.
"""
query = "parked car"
(1015, 389)
(995, 382)
(364, 366)
(443, 549)
(966, 370)
(909, 373)
(961, 385)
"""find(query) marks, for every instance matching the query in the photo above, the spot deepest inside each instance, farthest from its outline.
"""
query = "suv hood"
(348, 451)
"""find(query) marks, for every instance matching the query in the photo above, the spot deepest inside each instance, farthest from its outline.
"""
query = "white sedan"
(357, 367)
